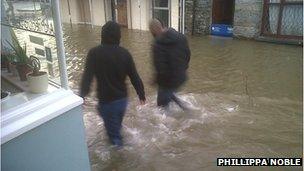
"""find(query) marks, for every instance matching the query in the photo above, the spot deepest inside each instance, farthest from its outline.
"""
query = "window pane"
(272, 19)
(162, 16)
(292, 20)
(31, 24)
(161, 3)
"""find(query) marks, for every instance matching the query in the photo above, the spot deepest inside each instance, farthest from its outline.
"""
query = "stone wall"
(201, 18)
(247, 18)
(188, 16)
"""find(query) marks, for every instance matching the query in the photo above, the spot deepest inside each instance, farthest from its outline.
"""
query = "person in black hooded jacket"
(111, 64)
(171, 56)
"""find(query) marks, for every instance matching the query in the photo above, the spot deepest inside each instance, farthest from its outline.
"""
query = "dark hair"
(110, 33)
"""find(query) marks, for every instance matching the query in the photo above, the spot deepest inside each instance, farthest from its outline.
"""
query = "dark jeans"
(165, 96)
(112, 114)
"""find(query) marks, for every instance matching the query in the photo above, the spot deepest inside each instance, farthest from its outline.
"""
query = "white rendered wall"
(98, 12)
(140, 14)
(174, 14)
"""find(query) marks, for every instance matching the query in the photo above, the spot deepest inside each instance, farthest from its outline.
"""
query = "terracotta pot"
(4, 64)
(23, 70)
(8, 67)
(13, 69)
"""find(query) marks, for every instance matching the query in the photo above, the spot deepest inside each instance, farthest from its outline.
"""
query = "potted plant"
(22, 60)
(37, 80)
(4, 60)
(8, 61)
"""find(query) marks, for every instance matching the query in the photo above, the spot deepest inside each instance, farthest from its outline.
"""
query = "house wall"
(199, 12)
(139, 14)
(101, 12)
(84, 11)
(174, 14)
(188, 16)
(55, 145)
(248, 18)
(80, 11)
(64, 10)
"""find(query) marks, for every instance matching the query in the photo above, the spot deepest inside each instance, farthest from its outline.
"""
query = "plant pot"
(38, 83)
(13, 69)
(4, 64)
(23, 70)
(8, 67)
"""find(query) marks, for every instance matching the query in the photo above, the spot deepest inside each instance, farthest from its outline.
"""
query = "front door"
(121, 8)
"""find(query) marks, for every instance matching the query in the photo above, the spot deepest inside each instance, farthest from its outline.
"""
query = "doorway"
(121, 12)
(223, 12)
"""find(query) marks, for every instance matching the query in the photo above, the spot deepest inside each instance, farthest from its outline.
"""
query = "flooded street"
(246, 98)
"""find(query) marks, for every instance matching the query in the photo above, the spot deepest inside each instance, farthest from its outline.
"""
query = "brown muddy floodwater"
(246, 98)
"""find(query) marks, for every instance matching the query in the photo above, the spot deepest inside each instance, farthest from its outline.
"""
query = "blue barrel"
(222, 30)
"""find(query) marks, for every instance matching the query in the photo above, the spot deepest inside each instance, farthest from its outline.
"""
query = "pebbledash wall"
(247, 17)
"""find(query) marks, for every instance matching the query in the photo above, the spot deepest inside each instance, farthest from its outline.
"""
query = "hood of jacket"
(110, 33)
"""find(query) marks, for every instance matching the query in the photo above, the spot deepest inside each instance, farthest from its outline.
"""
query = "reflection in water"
(246, 98)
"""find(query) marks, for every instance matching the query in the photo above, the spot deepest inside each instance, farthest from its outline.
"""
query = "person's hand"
(142, 102)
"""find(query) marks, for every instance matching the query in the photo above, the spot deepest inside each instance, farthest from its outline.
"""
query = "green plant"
(10, 57)
(20, 53)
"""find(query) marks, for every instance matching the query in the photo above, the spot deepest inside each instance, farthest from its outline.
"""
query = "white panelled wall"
(98, 12)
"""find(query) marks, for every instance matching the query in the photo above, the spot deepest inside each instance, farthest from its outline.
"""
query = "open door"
(222, 12)
(122, 15)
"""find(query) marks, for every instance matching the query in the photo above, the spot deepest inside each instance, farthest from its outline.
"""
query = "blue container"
(222, 30)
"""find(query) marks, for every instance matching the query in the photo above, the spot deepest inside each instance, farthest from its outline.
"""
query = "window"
(283, 19)
(29, 27)
(161, 11)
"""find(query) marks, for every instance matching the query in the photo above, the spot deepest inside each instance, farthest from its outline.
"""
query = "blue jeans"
(112, 114)
(165, 96)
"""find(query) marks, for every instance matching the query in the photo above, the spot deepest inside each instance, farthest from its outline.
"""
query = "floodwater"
(246, 100)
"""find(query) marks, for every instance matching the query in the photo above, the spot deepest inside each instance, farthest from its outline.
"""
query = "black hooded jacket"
(171, 56)
(110, 64)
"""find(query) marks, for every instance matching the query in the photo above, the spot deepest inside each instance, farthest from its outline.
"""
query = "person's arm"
(87, 75)
(136, 80)
(160, 62)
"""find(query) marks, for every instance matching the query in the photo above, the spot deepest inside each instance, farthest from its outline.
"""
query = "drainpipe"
(183, 29)
(70, 16)
(139, 6)
(91, 12)
(60, 45)
(113, 10)
(193, 17)
(130, 1)
(105, 10)
(180, 16)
